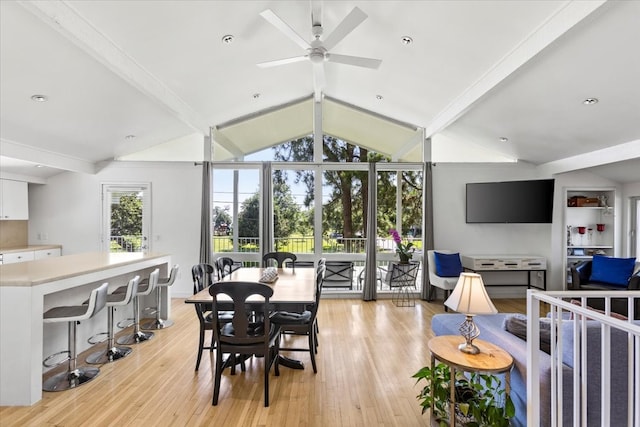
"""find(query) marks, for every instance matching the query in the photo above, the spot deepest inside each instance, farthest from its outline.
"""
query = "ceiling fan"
(317, 50)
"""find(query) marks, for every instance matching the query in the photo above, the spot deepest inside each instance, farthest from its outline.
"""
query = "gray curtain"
(205, 215)
(266, 240)
(369, 292)
(427, 226)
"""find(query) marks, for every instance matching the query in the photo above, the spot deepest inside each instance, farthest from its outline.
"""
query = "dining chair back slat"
(247, 333)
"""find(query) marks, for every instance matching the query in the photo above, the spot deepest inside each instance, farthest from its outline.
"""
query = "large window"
(313, 220)
(236, 209)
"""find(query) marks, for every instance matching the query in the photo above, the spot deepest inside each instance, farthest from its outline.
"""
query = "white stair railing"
(568, 318)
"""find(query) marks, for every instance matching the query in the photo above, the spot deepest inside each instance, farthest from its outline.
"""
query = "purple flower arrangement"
(404, 250)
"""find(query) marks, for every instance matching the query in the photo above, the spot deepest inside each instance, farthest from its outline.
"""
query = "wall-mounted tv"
(510, 202)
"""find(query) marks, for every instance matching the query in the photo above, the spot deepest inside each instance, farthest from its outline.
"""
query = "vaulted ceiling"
(161, 73)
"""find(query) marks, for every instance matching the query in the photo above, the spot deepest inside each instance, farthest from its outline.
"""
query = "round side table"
(491, 360)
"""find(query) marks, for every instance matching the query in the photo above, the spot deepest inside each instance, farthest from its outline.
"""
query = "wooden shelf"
(588, 217)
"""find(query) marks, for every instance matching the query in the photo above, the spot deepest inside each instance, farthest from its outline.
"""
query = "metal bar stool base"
(109, 355)
(135, 338)
(156, 324)
(67, 380)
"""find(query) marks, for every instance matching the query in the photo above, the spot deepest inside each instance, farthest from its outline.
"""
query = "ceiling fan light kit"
(317, 51)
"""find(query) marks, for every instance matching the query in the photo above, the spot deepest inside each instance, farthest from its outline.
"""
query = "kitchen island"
(27, 289)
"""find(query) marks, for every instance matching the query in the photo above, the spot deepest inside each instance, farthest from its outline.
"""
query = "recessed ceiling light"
(130, 137)
(39, 166)
(256, 95)
(406, 40)
(504, 139)
(379, 97)
(590, 101)
(227, 39)
(39, 98)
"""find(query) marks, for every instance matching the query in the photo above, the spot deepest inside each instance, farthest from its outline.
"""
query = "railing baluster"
(581, 373)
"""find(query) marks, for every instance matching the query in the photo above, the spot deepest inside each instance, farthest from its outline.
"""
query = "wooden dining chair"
(279, 259)
(202, 278)
(303, 323)
(242, 335)
(225, 266)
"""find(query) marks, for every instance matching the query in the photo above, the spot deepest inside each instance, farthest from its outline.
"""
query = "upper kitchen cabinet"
(14, 200)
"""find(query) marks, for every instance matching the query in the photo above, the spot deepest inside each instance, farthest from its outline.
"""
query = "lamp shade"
(470, 297)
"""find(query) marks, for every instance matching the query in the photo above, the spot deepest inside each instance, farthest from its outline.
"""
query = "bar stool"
(74, 376)
(139, 336)
(113, 353)
(158, 322)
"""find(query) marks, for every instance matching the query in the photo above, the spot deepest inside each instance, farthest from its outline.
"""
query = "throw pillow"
(448, 265)
(615, 271)
(517, 325)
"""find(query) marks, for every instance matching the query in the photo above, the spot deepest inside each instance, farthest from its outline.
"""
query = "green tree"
(345, 209)
(222, 220)
(126, 216)
(249, 217)
(286, 213)
(347, 186)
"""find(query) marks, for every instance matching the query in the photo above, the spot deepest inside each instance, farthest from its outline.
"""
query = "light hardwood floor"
(368, 352)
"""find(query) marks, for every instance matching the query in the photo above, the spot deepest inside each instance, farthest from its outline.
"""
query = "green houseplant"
(481, 399)
(404, 250)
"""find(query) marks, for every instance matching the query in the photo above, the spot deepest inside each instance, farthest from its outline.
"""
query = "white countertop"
(33, 273)
(28, 248)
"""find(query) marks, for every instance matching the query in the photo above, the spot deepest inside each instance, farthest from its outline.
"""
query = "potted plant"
(481, 399)
(404, 250)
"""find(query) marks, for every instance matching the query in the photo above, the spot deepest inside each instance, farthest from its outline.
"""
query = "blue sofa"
(492, 330)
(581, 281)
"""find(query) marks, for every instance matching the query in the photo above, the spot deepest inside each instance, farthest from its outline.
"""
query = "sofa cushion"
(517, 325)
(615, 271)
(448, 265)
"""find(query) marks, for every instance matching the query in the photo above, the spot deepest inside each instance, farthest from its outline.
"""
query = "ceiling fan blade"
(357, 61)
(318, 80)
(283, 61)
(316, 13)
(348, 24)
(275, 20)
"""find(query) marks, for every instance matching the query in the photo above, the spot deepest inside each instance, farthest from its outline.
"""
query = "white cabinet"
(14, 200)
(589, 224)
(13, 257)
(32, 255)
(46, 253)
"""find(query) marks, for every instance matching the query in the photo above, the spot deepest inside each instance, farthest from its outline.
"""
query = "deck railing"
(580, 316)
(350, 245)
(127, 243)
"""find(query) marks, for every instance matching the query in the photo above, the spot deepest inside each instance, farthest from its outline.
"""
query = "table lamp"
(470, 297)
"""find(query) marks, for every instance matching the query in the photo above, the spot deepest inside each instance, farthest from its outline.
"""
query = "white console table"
(23, 288)
(497, 263)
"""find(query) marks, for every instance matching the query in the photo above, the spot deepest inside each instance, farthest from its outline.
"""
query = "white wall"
(68, 211)
(452, 232)
(629, 190)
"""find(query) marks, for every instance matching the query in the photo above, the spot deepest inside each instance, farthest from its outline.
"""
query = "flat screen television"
(510, 202)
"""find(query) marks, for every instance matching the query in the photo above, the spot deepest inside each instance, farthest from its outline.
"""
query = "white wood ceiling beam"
(565, 18)
(67, 21)
(416, 139)
(45, 158)
(617, 153)
(227, 144)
